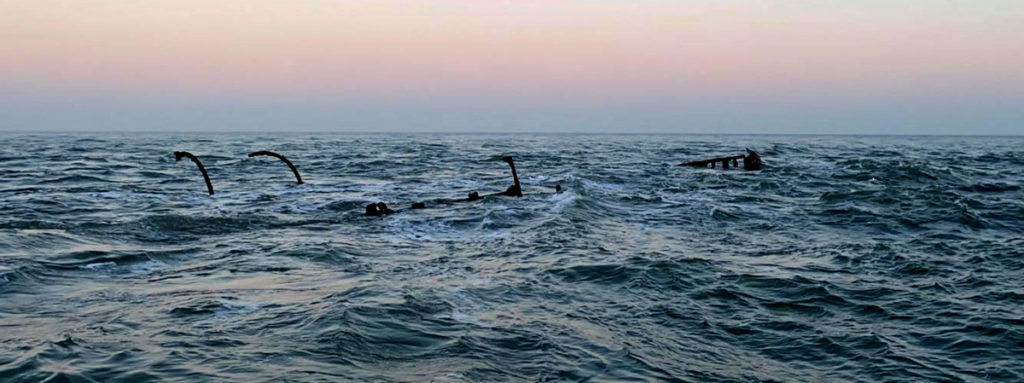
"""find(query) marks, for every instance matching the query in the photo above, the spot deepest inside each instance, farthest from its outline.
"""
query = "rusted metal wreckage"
(751, 161)
(379, 208)
(298, 178)
(206, 177)
(516, 190)
(202, 169)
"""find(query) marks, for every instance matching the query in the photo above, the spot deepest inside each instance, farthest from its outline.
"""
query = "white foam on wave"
(450, 377)
(462, 317)
(418, 229)
(464, 310)
(562, 201)
(110, 195)
(99, 265)
(135, 268)
(238, 306)
(147, 267)
(232, 307)
(4, 271)
(605, 186)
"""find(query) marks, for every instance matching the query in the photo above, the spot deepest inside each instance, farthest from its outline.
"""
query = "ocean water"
(875, 259)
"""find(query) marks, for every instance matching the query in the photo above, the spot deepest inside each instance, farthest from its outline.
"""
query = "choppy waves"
(845, 259)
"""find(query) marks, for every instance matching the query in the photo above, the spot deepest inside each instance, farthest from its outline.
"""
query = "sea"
(845, 259)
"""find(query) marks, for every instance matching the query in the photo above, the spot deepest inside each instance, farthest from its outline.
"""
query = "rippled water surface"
(845, 259)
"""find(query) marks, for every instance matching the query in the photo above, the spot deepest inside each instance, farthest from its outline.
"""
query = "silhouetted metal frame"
(202, 169)
(298, 178)
(751, 161)
(515, 191)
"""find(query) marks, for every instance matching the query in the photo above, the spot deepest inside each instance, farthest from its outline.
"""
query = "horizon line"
(392, 132)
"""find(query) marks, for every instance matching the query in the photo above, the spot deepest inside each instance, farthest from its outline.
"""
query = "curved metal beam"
(206, 177)
(298, 178)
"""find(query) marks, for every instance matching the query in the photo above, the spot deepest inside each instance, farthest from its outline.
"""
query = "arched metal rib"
(202, 169)
(298, 178)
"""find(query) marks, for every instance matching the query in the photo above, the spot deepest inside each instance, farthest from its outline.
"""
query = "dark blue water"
(895, 259)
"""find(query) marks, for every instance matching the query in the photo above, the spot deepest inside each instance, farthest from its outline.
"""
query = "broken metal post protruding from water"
(515, 190)
(298, 178)
(202, 169)
(752, 161)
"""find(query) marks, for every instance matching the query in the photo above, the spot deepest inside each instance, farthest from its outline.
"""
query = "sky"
(630, 66)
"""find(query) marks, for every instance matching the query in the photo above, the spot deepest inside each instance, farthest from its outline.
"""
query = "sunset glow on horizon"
(828, 66)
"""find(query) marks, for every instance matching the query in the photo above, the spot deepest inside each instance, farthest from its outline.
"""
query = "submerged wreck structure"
(516, 190)
(751, 161)
(379, 208)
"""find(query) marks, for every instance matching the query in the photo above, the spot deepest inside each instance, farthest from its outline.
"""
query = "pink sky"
(489, 54)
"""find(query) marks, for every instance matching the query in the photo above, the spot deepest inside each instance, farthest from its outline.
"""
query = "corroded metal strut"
(202, 169)
(298, 178)
(515, 190)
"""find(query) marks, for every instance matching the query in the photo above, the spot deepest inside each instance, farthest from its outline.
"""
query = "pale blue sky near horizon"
(943, 67)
